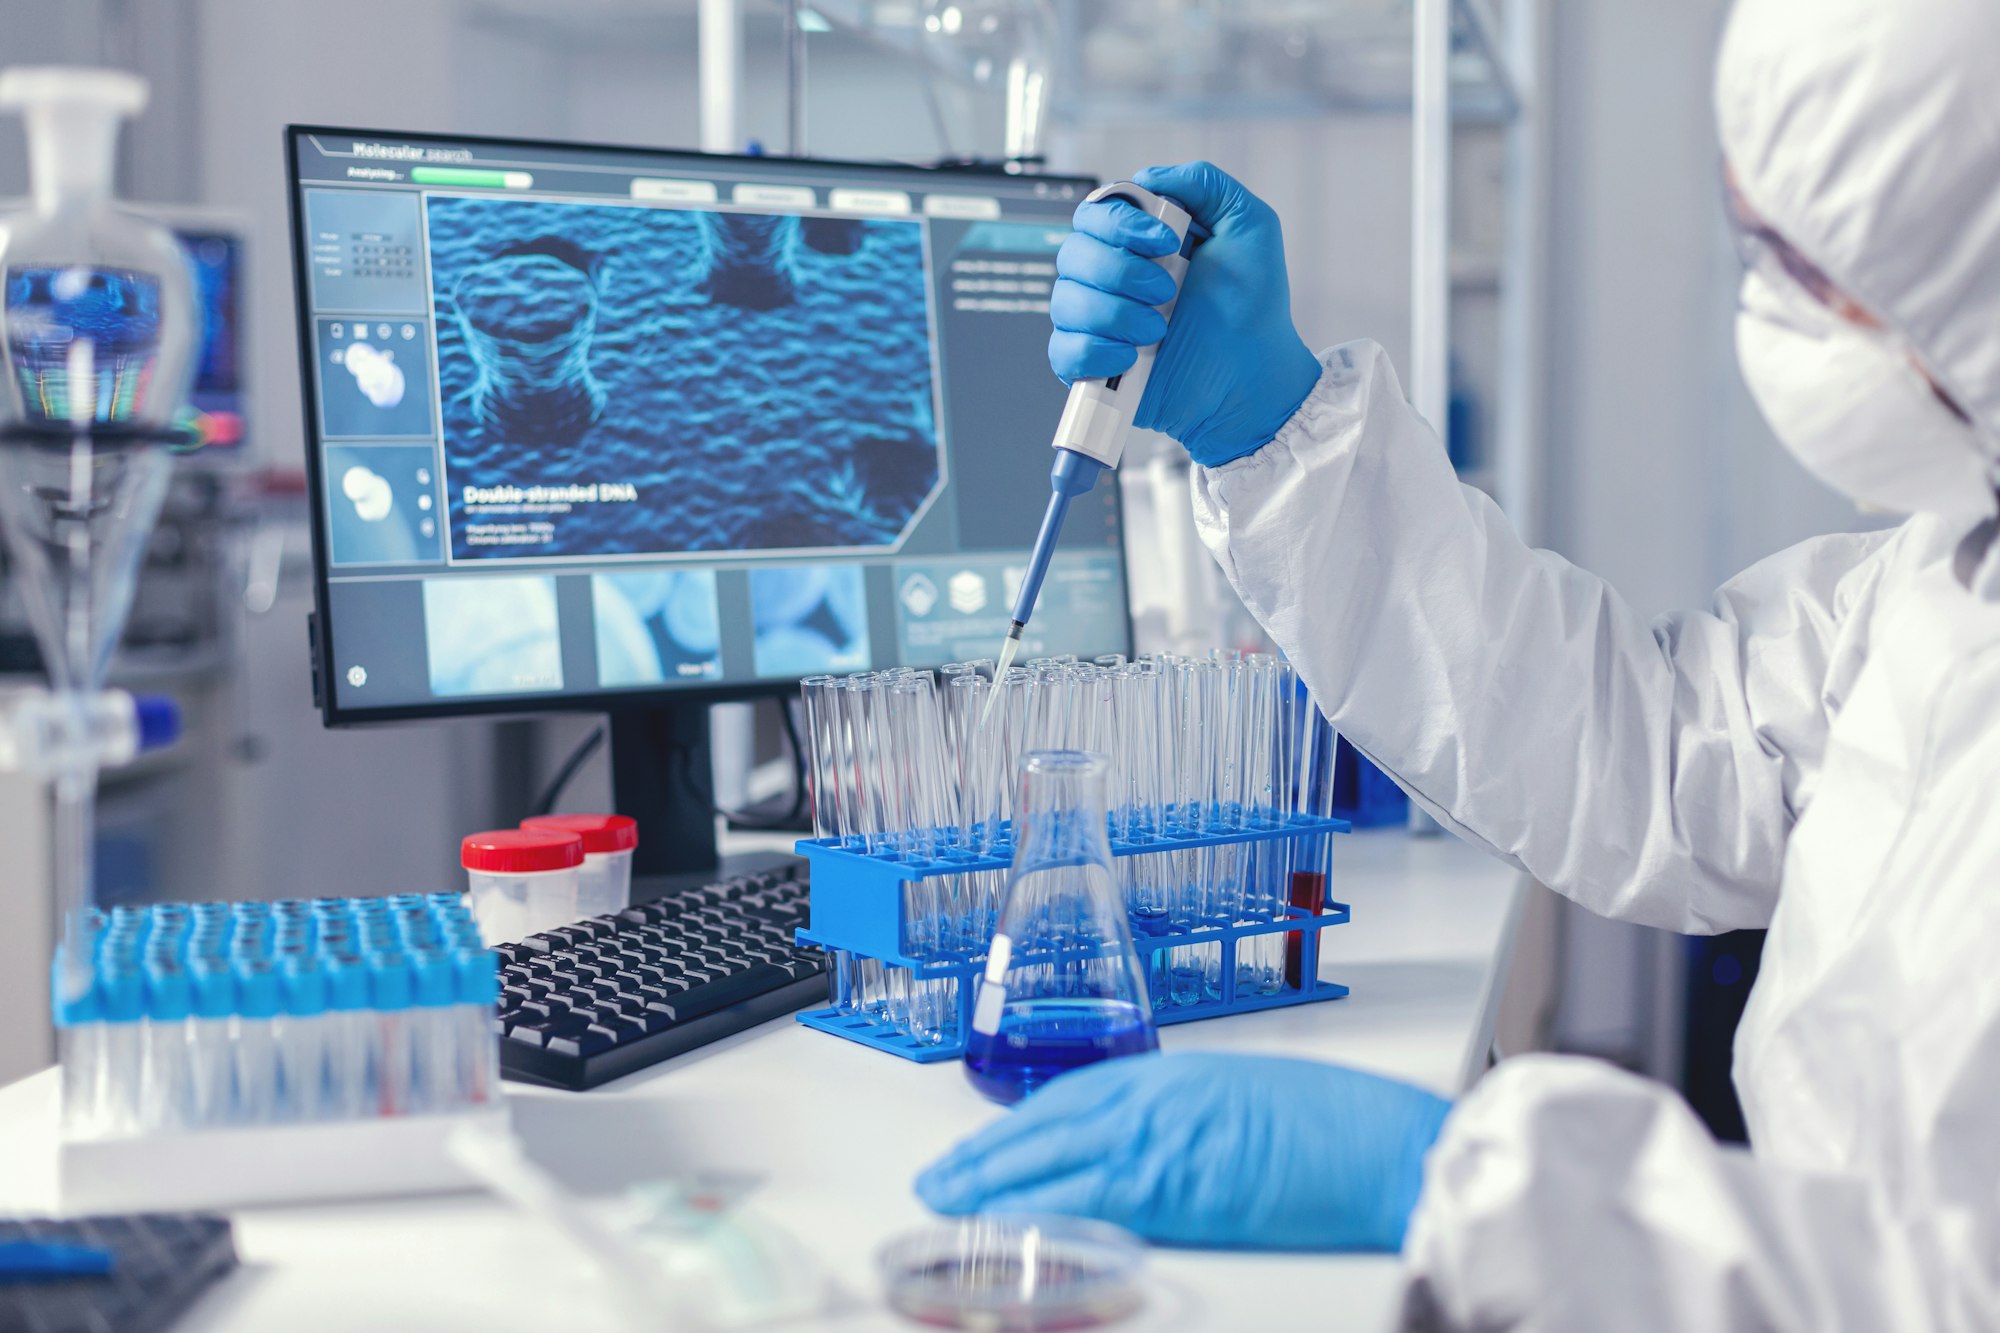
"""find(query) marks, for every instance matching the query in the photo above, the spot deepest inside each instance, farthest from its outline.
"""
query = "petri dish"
(1014, 1274)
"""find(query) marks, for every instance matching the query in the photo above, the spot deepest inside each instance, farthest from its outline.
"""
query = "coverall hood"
(1867, 132)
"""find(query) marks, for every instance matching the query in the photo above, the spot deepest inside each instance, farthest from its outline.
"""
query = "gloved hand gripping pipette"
(1098, 416)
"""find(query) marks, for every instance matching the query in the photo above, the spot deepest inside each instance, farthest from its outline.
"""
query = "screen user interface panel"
(598, 420)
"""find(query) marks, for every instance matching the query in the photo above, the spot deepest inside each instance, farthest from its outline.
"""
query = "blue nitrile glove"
(1202, 1149)
(1232, 370)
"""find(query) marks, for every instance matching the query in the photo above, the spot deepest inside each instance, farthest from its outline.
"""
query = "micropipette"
(1095, 421)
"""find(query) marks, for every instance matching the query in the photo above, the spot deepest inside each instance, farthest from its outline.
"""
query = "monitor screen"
(215, 399)
(593, 422)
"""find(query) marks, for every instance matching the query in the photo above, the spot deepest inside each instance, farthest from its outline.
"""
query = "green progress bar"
(491, 180)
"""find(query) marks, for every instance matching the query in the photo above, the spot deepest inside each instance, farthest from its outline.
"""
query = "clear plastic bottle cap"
(1014, 1274)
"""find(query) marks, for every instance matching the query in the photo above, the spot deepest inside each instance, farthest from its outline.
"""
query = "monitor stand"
(660, 776)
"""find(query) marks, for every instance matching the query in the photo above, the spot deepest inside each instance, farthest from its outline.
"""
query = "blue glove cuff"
(1291, 378)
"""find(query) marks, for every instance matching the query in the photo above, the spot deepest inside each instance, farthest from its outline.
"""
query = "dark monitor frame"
(659, 737)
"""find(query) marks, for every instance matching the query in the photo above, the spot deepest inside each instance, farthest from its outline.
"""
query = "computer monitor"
(215, 255)
(616, 428)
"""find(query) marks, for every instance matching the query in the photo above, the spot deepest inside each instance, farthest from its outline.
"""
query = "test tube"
(302, 1039)
(434, 1059)
(124, 1008)
(165, 1084)
(253, 1039)
(351, 1042)
(1318, 751)
(81, 1046)
(977, 740)
(389, 987)
(876, 822)
(479, 1050)
(212, 1074)
(822, 719)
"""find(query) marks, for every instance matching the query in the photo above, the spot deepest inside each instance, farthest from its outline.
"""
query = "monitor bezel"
(332, 713)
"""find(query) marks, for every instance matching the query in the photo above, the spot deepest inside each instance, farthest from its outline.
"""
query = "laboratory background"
(1518, 199)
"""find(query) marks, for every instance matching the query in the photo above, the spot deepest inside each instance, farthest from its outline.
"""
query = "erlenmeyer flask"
(1063, 987)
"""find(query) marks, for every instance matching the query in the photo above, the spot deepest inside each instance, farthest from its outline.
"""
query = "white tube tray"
(267, 1164)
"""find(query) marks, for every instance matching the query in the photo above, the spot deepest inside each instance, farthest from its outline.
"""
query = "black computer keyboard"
(160, 1264)
(596, 1000)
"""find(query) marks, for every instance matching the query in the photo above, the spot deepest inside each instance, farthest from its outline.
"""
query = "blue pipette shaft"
(1072, 475)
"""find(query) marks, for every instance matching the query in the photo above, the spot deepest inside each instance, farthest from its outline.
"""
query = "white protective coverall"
(1818, 753)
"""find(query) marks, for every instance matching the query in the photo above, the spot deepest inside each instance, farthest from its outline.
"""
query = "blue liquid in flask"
(1038, 1039)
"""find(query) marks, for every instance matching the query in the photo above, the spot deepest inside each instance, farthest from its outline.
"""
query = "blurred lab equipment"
(595, 999)
(522, 881)
(42, 1261)
(1207, 1149)
(683, 1253)
(604, 881)
(1102, 409)
(1008, 44)
(100, 336)
(1015, 1274)
(1218, 774)
(148, 1270)
(1063, 986)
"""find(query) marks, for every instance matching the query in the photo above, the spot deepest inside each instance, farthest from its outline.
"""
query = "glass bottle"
(1063, 986)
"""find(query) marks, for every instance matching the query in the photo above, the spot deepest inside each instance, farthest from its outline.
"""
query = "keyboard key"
(720, 994)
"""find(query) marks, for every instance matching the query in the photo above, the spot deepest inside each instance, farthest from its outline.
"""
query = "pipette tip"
(1009, 647)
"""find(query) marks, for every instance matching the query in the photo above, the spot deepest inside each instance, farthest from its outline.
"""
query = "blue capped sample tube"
(389, 990)
(211, 1068)
(80, 1028)
(302, 1038)
(256, 1040)
(479, 1047)
(122, 994)
(433, 1035)
(351, 1039)
(166, 1090)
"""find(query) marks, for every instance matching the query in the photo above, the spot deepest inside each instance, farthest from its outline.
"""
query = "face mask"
(1847, 403)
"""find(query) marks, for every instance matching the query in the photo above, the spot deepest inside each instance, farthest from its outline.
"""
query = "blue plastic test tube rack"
(858, 906)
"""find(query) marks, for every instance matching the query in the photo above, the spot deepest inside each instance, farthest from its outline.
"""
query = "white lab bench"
(839, 1131)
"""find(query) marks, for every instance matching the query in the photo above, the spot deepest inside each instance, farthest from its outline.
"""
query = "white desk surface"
(839, 1131)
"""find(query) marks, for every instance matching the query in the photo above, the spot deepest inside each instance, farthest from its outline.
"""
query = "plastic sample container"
(523, 881)
(604, 885)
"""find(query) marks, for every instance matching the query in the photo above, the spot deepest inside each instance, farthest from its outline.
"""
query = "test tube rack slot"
(858, 906)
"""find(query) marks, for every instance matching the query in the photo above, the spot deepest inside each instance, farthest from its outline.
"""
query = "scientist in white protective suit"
(1818, 753)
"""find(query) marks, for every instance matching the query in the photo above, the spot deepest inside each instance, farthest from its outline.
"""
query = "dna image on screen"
(656, 381)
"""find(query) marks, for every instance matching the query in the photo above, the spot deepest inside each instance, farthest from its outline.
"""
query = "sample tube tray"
(857, 905)
(245, 1165)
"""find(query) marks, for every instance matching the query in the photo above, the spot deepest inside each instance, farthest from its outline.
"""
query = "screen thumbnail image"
(492, 635)
(655, 626)
(626, 380)
(809, 620)
(374, 378)
(382, 504)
